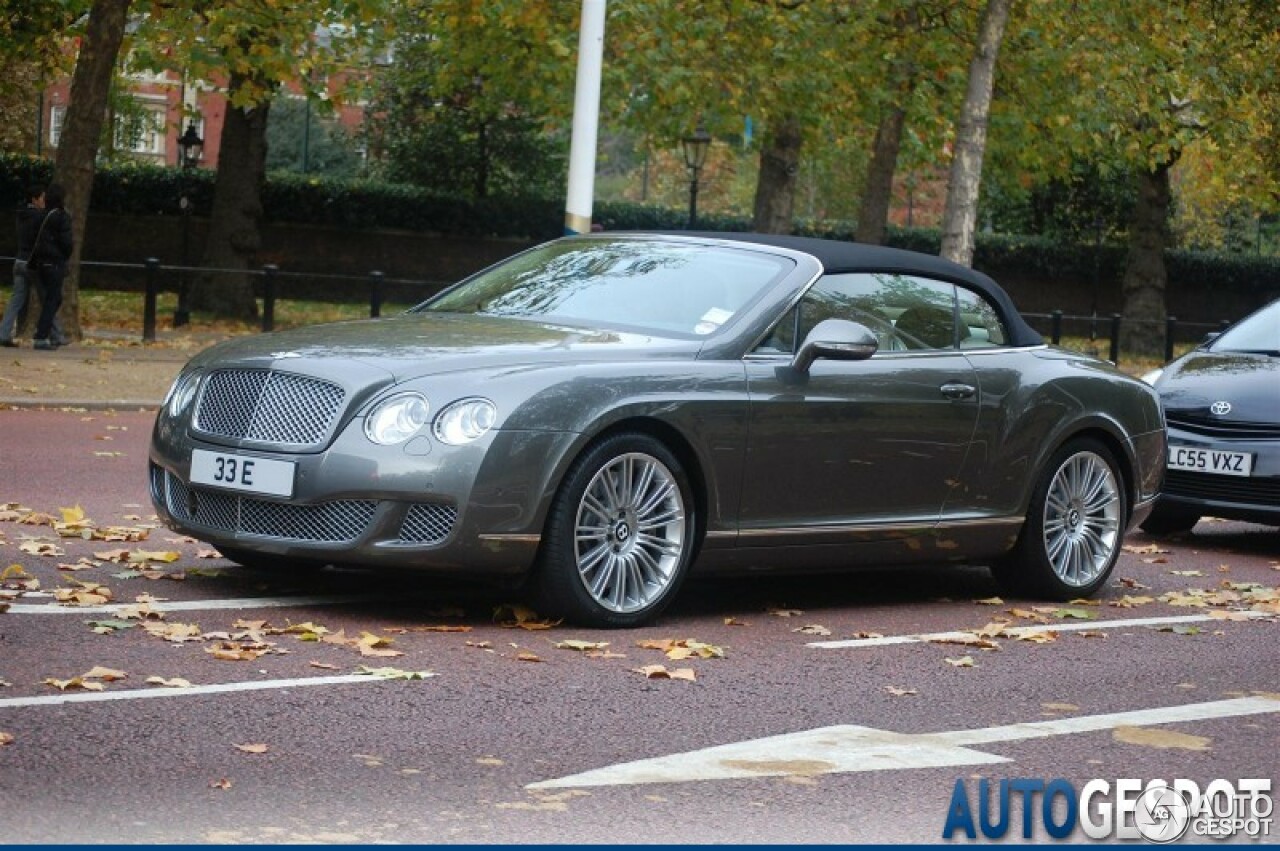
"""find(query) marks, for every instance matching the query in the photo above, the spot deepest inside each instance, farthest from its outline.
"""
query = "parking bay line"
(849, 748)
(195, 605)
(1015, 631)
(191, 691)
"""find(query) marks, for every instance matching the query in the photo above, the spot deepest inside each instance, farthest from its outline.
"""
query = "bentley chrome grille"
(268, 406)
(330, 522)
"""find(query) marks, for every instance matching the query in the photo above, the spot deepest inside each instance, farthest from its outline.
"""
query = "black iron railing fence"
(161, 277)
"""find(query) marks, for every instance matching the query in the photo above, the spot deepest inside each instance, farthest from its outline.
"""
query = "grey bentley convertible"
(603, 414)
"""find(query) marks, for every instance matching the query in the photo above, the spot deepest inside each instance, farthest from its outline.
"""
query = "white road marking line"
(196, 605)
(219, 688)
(1073, 626)
(847, 748)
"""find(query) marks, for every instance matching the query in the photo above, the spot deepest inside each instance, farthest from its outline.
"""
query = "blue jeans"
(18, 305)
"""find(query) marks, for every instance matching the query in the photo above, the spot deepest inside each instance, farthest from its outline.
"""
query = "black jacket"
(29, 218)
(55, 242)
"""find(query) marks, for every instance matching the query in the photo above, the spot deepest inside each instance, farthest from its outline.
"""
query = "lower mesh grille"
(1256, 490)
(428, 523)
(330, 522)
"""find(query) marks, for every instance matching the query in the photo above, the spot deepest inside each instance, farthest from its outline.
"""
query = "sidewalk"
(105, 370)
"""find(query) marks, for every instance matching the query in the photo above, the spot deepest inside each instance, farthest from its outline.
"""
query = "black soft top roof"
(836, 256)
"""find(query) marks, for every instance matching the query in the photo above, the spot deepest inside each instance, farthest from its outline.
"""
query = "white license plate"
(242, 472)
(1210, 461)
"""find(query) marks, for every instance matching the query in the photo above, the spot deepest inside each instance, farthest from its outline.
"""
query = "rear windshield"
(664, 287)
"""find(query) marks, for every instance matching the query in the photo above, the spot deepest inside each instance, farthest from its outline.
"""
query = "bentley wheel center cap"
(621, 532)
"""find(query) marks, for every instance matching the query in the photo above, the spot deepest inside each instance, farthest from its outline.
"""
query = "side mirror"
(835, 339)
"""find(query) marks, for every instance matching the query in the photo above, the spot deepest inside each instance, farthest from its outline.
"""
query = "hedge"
(138, 189)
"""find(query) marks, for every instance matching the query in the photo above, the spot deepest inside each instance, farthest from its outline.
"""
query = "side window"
(905, 313)
(980, 325)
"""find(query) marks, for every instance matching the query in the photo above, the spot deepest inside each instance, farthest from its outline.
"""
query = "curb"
(80, 404)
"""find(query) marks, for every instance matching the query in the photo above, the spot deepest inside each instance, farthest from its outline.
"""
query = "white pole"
(586, 119)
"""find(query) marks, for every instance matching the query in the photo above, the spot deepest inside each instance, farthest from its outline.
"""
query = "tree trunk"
(776, 184)
(235, 224)
(960, 218)
(78, 145)
(1144, 273)
(873, 212)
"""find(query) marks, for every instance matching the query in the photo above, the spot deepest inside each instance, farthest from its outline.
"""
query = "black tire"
(1168, 520)
(620, 535)
(267, 563)
(1074, 527)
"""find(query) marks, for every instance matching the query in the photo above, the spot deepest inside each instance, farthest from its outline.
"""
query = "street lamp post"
(190, 148)
(695, 157)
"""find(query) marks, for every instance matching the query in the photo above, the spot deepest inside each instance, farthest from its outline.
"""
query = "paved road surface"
(492, 748)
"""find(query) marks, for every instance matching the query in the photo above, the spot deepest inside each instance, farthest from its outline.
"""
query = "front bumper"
(1254, 498)
(476, 509)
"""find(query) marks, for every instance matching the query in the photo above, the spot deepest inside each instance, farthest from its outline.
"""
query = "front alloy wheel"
(620, 534)
(1082, 519)
(1071, 538)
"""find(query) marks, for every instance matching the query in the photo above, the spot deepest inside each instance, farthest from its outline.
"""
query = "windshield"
(1259, 332)
(666, 287)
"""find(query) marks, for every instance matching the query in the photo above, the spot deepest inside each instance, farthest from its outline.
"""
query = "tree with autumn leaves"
(1036, 86)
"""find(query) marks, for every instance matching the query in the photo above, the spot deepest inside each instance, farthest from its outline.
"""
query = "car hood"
(415, 344)
(1244, 380)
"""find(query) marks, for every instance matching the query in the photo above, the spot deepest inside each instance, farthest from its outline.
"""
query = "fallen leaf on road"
(224, 783)
(990, 601)
(74, 682)
(1074, 614)
(521, 617)
(393, 673)
(171, 682)
(375, 645)
(325, 666)
(175, 632)
(1125, 582)
(5, 738)
(526, 656)
(865, 634)
(489, 760)
(581, 646)
(1230, 616)
(229, 651)
(660, 672)
(812, 629)
(1180, 629)
(100, 673)
(678, 649)
(1160, 738)
(1186, 573)
(1061, 707)
(40, 548)
(1129, 602)
(968, 641)
(1038, 636)
(901, 692)
(734, 622)
(962, 662)
(1144, 549)
(253, 748)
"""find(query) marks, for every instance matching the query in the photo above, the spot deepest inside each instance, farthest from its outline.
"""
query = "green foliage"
(135, 189)
(302, 139)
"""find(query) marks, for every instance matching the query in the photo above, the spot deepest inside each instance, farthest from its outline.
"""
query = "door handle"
(956, 390)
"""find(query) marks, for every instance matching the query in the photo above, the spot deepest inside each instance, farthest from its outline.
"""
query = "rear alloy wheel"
(620, 535)
(1074, 528)
(1165, 520)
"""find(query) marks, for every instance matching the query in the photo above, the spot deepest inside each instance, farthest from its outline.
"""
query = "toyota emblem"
(1220, 409)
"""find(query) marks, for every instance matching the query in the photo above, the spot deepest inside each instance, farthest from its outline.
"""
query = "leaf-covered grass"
(111, 312)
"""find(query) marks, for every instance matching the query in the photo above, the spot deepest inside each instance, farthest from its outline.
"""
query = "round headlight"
(397, 419)
(182, 392)
(465, 421)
